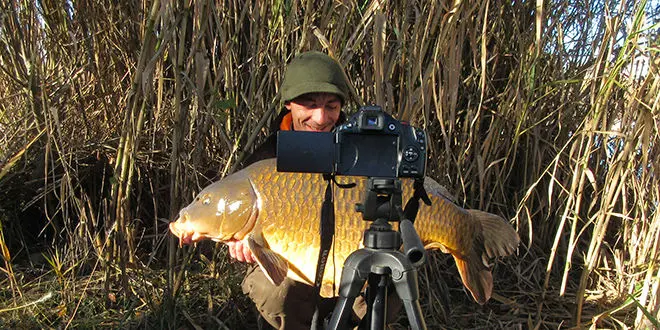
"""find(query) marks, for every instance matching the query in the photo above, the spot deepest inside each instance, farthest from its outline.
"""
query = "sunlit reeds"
(112, 115)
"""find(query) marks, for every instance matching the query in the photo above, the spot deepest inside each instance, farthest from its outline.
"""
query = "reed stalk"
(113, 114)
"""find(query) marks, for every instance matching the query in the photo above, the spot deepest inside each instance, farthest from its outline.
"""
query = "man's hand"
(240, 251)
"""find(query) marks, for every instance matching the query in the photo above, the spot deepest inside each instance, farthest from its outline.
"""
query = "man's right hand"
(240, 251)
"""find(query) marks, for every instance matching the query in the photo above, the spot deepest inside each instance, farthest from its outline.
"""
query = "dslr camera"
(370, 143)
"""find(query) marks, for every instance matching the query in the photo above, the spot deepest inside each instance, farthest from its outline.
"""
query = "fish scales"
(292, 210)
(288, 207)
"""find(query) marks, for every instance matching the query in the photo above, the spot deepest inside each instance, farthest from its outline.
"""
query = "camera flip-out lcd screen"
(370, 143)
(309, 152)
(368, 155)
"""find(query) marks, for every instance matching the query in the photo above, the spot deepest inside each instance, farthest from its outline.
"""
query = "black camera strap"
(327, 232)
(410, 211)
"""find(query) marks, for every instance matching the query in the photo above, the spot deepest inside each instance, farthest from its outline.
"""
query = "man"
(314, 90)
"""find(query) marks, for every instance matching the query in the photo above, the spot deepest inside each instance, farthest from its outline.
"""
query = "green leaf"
(646, 312)
(225, 104)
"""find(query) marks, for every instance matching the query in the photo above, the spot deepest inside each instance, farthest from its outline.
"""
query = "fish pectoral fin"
(272, 264)
(436, 245)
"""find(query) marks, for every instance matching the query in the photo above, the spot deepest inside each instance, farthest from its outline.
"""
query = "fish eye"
(206, 201)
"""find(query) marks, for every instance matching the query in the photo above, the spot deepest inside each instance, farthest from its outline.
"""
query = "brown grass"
(113, 115)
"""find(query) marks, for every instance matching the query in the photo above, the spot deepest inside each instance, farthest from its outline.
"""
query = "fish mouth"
(175, 230)
(186, 235)
(185, 239)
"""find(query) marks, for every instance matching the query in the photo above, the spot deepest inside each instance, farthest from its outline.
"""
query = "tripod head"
(382, 199)
(383, 204)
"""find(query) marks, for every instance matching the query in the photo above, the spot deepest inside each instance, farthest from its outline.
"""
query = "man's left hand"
(240, 251)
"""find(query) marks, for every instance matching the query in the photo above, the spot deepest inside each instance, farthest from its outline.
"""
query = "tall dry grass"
(114, 114)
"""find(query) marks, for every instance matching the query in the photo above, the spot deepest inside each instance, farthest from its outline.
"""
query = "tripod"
(380, 262)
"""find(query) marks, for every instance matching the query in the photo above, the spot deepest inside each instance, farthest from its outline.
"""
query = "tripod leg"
(414, 313)
(349, 288)
(408, 291)
(376, 302)
(342, 313)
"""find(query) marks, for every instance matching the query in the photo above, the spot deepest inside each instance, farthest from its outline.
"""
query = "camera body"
(370, 143)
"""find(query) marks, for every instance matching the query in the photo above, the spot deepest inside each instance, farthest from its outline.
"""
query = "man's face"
(314, 112)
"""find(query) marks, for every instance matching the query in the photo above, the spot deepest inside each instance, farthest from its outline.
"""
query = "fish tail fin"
(475, 275)
(497, 239)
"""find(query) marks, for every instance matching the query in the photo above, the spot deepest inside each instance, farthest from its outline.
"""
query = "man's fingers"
(247, 254)
(240, 251)
(234, 250)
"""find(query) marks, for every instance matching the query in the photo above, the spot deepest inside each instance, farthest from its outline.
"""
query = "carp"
(278, 216)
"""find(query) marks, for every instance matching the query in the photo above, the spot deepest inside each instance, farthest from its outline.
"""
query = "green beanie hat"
(313, 72)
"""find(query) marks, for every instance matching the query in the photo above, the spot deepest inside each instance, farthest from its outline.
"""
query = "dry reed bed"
(113, 115)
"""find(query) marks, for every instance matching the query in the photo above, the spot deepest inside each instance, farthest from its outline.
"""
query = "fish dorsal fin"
(432, 187)
(272, 264)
